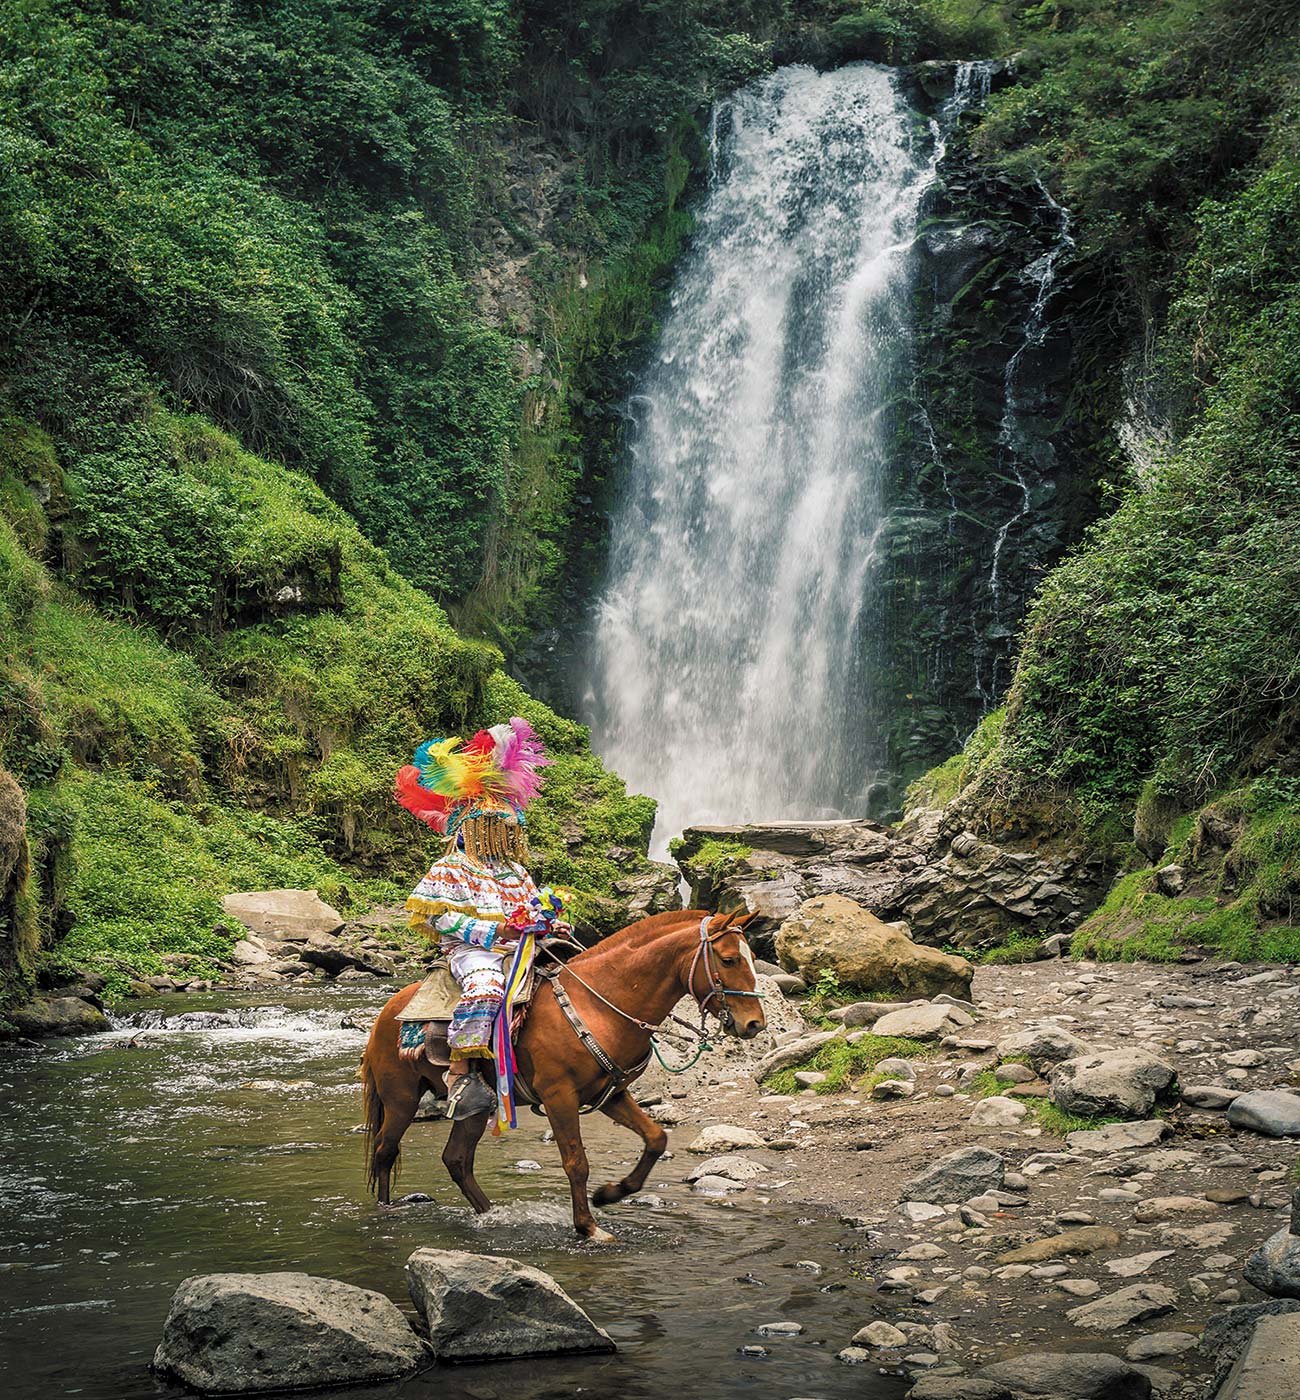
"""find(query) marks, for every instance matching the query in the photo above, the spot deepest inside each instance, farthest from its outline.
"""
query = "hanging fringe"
(502, 1039)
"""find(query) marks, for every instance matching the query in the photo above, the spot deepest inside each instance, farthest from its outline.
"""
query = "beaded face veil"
(475, 793)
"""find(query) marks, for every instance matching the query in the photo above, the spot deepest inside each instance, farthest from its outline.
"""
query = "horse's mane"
(646, 930)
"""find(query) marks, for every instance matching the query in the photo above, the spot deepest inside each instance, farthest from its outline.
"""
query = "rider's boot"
(468, 1095)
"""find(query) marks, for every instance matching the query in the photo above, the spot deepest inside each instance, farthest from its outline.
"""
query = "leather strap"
(589, 1042)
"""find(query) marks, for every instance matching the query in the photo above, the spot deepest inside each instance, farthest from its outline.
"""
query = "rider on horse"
(478, 898)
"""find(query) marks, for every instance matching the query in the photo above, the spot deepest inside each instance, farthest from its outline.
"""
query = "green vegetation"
(1043, 1112)
(942, 783)
(262, 752)
(1163, 648)
(1241, 860)
(845, 1065)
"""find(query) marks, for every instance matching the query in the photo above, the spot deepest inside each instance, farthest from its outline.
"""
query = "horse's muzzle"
(748, 1028)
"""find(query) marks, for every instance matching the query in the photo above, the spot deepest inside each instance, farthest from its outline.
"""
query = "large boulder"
(235, 1334)
(833, 934)
(957, 1176)
(1274, 1268)
(58, 1016)
(480, 1306)
(1268, 1368)
(292, 914)
(1273, 1112)
(1071, 1375)
(1123, 1082)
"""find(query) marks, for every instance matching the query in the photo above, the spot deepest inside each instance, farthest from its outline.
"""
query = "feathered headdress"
(497, 773)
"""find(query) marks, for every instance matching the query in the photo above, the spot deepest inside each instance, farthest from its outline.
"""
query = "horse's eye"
(730, 962)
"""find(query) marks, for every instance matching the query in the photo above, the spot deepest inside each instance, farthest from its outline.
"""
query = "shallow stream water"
(125, 1170)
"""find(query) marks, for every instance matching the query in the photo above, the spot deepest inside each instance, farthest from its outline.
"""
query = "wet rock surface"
(233, 1334)
(478, 1307)
(929, 873)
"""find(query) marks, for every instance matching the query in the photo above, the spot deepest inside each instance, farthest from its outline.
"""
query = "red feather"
(426, 806)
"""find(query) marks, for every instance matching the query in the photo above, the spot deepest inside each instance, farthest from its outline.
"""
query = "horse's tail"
(373, 1108)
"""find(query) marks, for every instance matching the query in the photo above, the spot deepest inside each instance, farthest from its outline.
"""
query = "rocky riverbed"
(1130, 1238)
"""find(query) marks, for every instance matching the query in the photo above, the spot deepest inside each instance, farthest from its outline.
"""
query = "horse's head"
(723, 979)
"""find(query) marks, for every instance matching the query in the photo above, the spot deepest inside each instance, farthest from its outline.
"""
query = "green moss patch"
(845, 1064)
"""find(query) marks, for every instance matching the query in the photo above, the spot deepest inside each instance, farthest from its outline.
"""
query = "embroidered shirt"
(467, 903)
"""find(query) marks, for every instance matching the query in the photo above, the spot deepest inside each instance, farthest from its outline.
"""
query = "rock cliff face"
(991, 483)
(949, 885)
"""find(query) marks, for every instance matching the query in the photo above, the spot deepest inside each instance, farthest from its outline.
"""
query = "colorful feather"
(424, 805)
(496, 771)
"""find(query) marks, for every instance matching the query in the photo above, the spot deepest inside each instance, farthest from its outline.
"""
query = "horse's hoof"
(608, 1195)
(599, 1236)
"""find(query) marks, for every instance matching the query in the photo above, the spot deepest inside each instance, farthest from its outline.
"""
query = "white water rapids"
(728, 676)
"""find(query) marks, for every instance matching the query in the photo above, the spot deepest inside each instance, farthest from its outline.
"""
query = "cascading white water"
(728, 674)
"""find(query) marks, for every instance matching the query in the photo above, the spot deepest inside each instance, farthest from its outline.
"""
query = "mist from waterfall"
(728, 673)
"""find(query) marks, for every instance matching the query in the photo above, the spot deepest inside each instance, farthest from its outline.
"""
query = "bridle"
(704, 956)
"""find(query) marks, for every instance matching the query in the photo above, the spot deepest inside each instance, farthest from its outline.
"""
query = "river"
(126, 1170)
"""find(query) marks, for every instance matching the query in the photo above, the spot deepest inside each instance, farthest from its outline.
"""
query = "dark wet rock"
(1074, 1375)
(1273, 1112)
(58, 1016)
(480, 1306)
(1274, 1268)
(232, 1334)
(1226, 1335)
(928, 872)
(957, 1176)
(1268, 1367)
(1123, 1082)
(958, 1388)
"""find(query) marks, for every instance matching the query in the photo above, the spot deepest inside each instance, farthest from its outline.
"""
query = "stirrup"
(469, 1097)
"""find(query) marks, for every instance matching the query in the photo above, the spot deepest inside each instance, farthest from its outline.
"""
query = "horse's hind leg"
(627, 1113)
(400, 1105)
(458, 1158)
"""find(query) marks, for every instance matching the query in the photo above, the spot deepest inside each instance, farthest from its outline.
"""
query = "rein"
(704, 954)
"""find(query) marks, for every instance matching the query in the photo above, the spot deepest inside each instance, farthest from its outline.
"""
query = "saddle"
(432, 1007)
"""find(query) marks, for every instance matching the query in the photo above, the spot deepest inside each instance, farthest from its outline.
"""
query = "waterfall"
(728, 673)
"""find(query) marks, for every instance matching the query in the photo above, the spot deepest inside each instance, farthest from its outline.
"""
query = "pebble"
(810, 1266)
(526, 1164)
(1079, 1287)
(944, 1091)
(779, 1329)
(851, 1356)
(753, 1350)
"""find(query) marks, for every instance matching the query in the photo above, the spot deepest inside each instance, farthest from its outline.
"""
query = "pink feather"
(521, 757)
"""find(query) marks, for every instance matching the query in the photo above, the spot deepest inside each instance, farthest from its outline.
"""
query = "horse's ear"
(746, 918)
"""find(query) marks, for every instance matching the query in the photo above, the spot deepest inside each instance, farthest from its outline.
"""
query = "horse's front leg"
(458, 1158)
(627, 1113)
(562, 1111)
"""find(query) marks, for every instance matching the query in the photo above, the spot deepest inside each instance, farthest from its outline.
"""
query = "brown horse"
(621, 989)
